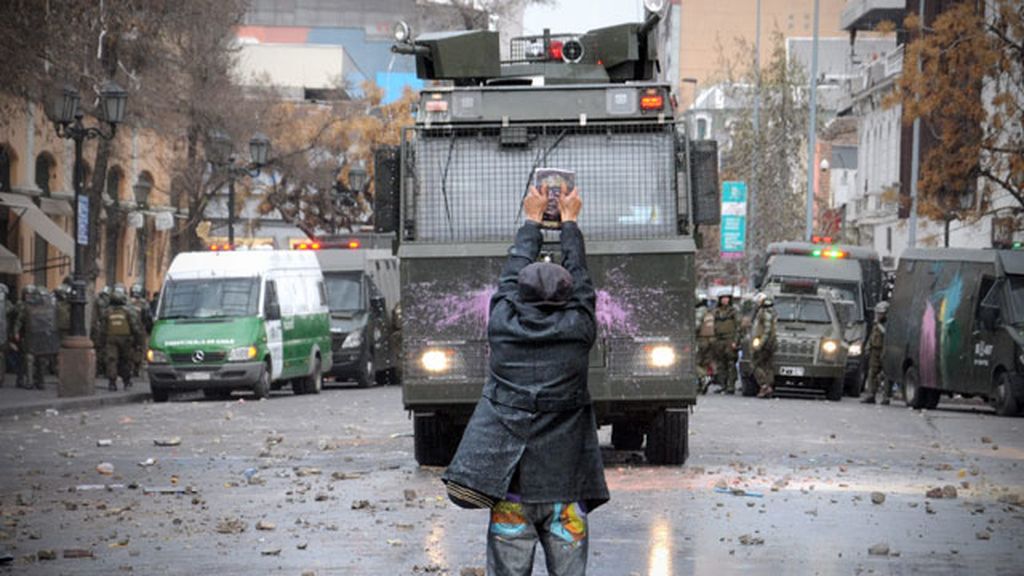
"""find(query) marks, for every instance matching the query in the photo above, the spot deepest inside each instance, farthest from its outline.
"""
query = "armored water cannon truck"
(589, 103)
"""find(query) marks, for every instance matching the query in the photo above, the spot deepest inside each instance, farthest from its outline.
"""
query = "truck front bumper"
(225, 376)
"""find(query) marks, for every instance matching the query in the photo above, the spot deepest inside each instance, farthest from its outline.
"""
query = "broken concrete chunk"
(949, 491)
(877, 498)
(880, 549)
(265, 525)
(172, 441)
(105, 468)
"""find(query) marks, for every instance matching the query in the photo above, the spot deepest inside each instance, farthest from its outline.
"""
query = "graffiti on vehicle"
(941, 335)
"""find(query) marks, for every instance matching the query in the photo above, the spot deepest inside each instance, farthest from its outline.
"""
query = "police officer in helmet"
(122, 332)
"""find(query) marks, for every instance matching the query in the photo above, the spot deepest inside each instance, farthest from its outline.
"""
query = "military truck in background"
(854, 276)
(588, 103)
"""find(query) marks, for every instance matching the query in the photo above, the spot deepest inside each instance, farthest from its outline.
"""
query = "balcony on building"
(866, 14)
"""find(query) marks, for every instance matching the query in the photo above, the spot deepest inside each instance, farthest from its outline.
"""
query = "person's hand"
(534, 204)
(570, 205)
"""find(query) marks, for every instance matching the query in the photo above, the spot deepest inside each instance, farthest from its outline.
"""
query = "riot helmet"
(136, 291)
(63, 292)
(28, 291)
(118, 295)
(881, 310)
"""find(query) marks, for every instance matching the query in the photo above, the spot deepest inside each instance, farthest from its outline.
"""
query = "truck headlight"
(353, 340)
(242, 354)
(829, 346)
(661, 356)
(156, 357)
(436, 361)
(856, 348)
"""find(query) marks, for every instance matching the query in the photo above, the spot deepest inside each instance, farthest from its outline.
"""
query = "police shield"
(41, 335)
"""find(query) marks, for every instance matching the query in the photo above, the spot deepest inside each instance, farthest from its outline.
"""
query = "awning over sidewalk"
(9, 263)
(38, 221)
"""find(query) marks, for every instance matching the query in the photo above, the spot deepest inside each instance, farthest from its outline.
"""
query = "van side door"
(984, 334)
(272, 321)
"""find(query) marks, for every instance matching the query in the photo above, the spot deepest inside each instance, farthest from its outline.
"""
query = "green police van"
(249, 320)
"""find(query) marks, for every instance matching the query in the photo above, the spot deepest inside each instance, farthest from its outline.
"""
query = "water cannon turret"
(466, 57)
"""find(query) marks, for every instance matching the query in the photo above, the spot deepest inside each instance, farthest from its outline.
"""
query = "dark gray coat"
(535, 413)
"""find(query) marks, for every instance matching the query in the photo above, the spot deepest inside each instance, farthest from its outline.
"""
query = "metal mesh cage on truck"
(466, 184)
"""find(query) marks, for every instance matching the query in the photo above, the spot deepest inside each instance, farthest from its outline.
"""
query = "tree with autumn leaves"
(969, 94)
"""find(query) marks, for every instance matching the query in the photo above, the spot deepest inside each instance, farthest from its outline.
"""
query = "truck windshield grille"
(468, 182)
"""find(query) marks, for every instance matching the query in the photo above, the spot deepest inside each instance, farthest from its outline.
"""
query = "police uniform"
(101, 304)
(35, 329)
(726, 342)
(705, 349)
(138, 301)
(876, 345)
(763, 347)
(121, 332)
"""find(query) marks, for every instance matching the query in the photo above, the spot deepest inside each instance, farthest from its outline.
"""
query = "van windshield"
(210, 298)
(344, 292)
(794, 310)
(1017, 299)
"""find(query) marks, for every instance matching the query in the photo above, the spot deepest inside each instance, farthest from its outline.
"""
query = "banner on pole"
(734, 219)
(82, 228)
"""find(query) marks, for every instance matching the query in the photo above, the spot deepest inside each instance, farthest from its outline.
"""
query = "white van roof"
(345, 260)
(230, 264)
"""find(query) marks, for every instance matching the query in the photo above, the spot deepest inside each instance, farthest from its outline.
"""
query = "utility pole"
(811, 132)
(915, 153)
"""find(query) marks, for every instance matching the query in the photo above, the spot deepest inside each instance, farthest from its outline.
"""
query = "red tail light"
(555, 50)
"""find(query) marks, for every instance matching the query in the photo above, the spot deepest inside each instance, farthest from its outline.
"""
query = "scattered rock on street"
(46, 555)
(271, 552)
(265, 525)
(172, 441)
(880, 549)
(877, 498)
(230, 526)
(934, 493)
(105, 468)
(360, 504)
(748, 540)
(949, 491)
(983, 535)
(986, 439)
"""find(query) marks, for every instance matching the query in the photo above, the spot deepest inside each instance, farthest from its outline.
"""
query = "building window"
(114, 179)
(6, 165)
(45, 173)
(702, 129)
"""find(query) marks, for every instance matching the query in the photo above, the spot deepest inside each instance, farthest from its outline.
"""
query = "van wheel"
(368, 374)
(913, 394)
(1003, 400)
(314, 383)
(160, 395)
(262, 386)
(931, 400)
(435, 439)
(835, 390)
(627, 436)
(668, 438)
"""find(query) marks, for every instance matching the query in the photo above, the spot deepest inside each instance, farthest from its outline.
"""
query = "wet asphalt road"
(335, 477)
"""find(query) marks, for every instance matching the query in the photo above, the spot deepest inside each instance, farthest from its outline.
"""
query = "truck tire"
(834, 392)
(668, 438)
(261, 389)
(160, 395)
(435, 439)
(367, 377)
(1003, 399)
(931, 399)
(627, 436)
(914, 396)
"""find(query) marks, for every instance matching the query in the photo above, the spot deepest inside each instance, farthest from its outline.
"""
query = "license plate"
(791, 370)
(197, 376)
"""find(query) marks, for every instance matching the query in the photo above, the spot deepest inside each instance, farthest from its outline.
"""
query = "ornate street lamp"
(357, 177)
(220, 153)
(66, 116)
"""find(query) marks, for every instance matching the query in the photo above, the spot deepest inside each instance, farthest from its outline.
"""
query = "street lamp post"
(77, 350)
(220, 153)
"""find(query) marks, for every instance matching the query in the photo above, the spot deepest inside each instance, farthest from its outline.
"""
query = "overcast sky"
(580, 15)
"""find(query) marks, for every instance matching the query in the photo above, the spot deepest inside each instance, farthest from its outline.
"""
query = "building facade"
(37, 191)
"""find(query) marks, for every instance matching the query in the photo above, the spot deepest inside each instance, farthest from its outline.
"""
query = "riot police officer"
(705, 344)
(141, 305)
(35, 330)
(101, 304)
(727, 330)
(876, 344)
(122, 332)
(763, 346)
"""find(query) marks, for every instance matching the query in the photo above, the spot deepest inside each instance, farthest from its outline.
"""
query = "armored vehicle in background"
(854, 275)
(956, 326)
(810, 352)
(588, 103)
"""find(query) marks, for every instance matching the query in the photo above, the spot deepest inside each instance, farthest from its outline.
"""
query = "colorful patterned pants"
(516, 528)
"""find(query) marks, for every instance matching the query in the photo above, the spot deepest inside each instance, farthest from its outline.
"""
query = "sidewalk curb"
(72, 404)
